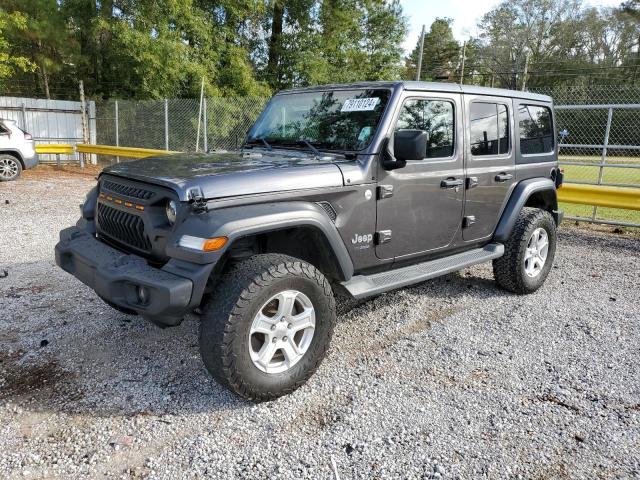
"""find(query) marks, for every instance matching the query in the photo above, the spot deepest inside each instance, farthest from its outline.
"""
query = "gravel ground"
(453, 378)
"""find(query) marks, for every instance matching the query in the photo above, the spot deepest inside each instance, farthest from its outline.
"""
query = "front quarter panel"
(246, 220)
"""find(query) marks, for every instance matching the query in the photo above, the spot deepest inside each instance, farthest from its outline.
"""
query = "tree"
(10, 61)
(518, 28)
(150, 49)
(565, 42)
(441, 53)
(356, 40)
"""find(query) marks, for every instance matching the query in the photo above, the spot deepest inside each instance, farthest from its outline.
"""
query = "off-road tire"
(508, 270)
(14, 161)
(231, 308)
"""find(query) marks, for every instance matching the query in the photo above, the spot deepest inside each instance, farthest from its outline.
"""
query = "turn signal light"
(203, 244)
(213, 244)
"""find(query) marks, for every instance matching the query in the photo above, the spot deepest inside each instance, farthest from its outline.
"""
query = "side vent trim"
(329, 210)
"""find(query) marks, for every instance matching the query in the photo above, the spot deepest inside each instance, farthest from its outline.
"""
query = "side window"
(489, 126)
(434, 117)
(536, 133)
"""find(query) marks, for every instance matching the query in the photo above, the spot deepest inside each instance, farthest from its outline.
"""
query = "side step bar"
(362, 286)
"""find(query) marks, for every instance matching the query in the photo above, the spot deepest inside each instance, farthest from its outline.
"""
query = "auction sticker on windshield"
(360, 104)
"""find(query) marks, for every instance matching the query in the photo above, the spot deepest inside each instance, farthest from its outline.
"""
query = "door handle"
(503, 177)
(451, 183)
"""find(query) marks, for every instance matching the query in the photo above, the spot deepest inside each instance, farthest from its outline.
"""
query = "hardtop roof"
(430, 87)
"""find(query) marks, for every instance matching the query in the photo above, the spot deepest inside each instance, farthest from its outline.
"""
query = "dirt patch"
(17, 292)
(69, 171)
(321, 415)
(26, 382)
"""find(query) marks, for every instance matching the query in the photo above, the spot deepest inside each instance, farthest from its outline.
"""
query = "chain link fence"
(177, 124)
(600, 144)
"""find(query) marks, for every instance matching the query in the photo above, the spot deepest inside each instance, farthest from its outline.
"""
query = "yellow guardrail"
(128, 152)
(54, 148)
(600, 196)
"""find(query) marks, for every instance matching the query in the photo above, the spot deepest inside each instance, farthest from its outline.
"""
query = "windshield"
(332, 119)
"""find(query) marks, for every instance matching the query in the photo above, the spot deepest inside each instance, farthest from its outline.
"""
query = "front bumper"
(118, 277)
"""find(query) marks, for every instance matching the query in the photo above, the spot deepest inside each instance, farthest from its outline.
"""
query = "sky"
(465, 14)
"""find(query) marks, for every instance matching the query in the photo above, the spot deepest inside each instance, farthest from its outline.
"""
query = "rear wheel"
(529, 252)
(267, 326)
(10, 168)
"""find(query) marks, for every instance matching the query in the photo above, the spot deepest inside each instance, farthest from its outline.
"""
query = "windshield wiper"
(261, 140)
(310, 146)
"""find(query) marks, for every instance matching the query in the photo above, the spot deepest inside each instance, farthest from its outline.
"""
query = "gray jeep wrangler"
(338, 191)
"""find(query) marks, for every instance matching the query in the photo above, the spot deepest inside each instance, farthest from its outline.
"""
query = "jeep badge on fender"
(259, 239)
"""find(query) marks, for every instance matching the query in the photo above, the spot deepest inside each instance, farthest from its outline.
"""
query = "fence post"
(24, 117)
(85, 125)
(166, 124)
(603, 160)
(115, 108)
(204, 119)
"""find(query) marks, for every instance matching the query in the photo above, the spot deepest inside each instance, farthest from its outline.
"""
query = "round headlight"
(172, 211)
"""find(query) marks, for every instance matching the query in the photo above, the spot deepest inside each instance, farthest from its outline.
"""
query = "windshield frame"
(374, 140)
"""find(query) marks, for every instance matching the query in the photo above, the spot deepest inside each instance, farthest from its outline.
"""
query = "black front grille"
(127, 190)
(123, 227)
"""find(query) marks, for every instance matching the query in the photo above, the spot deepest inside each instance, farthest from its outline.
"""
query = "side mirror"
(410, 144)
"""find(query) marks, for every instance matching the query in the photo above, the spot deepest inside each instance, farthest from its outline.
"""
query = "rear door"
(416, 211)
(490, 164)
(5, 136)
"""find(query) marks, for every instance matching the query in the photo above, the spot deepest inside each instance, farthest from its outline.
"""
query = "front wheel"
(528, 254)
(267, 325)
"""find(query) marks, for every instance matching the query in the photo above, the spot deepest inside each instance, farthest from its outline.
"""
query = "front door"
(420, 206)
(490, 163)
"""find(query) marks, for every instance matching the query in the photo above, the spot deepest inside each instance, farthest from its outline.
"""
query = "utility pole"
(419, 70)
(85, 123)
(464, 52)
(526, 71)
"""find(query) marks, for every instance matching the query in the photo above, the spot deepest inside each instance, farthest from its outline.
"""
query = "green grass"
(579, 173)
(611, 214)
(582, 173)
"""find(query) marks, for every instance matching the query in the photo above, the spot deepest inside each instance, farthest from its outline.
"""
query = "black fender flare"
(518, 199)
(242, 221)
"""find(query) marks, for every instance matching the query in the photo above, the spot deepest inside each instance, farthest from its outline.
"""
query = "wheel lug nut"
(289, 325)
(275, 339)
(273, 327)
(284, 339)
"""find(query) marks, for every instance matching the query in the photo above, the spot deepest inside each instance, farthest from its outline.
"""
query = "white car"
(17, 150)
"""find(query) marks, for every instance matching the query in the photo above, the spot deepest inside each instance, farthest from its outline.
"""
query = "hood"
(218, 175)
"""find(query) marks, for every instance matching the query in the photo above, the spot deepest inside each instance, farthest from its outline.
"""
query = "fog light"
(143, 295)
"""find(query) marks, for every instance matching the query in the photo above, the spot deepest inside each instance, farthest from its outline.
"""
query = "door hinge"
(385, 191)
(383, 236)
(468, 221)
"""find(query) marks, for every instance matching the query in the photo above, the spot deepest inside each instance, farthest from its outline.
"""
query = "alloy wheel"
(282, 331)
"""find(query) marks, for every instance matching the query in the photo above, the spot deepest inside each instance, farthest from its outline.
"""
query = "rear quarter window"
(536, 129)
